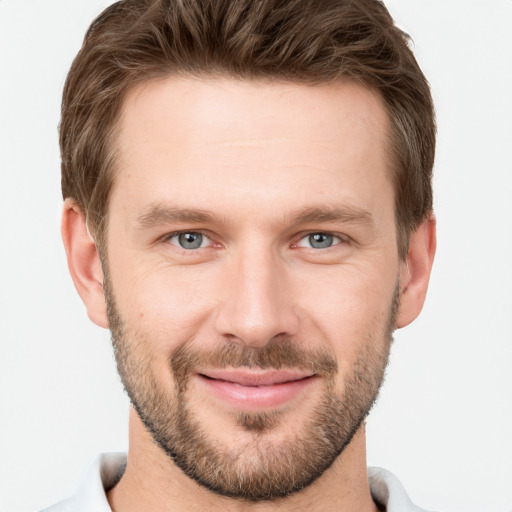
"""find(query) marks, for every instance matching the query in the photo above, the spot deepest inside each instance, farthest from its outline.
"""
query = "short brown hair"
(302, 41)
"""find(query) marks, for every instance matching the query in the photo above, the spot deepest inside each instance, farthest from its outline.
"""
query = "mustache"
(277, 354)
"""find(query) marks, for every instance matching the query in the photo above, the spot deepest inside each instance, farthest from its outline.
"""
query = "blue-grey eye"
(189, 240)
(319, 241)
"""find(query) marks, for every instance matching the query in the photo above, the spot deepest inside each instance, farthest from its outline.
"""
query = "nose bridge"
(256, 306)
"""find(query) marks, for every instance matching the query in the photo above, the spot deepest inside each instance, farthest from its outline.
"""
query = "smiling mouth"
(254, 391)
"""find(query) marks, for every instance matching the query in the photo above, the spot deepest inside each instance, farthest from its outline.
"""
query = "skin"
(256, 157)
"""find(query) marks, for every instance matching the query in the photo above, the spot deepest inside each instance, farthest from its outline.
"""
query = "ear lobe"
(415, 272)
(84, 262)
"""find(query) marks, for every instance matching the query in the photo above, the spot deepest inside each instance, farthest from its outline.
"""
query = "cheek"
(350, 309)
(167, 307)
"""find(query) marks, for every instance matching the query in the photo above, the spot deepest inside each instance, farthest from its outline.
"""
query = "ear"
(84, 262)
(415, 272)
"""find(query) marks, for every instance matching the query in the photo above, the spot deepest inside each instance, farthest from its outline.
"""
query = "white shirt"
(386, 489)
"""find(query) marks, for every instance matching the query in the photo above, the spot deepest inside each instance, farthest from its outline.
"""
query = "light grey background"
(444, 421)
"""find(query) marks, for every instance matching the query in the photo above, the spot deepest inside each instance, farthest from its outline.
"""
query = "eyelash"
(167, 238)
(341, 239)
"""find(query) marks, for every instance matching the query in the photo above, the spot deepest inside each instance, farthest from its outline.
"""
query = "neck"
(153, 482)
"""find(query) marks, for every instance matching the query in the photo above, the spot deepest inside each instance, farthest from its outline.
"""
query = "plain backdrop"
(443, 423)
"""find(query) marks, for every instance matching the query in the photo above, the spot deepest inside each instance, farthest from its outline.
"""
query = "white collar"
(388, 492)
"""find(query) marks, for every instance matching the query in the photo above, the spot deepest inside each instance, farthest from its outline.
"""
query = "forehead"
(177, 104)
(213, 139)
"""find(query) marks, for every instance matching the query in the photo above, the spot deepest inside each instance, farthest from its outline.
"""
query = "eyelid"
(343, 239)
(169, 236)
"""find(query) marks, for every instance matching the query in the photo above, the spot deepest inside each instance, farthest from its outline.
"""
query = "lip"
(253, 391)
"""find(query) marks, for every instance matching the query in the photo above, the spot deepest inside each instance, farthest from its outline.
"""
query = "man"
(248, 209)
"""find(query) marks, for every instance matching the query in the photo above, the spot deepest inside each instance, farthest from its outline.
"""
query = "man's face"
(252, 274)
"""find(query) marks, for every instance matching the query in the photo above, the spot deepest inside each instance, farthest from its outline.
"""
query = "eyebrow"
(160, 213)
(321, 214)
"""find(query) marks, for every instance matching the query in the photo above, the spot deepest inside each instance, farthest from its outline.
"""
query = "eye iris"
(190, 240)
(321, 240)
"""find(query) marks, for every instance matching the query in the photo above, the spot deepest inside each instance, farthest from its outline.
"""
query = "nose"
(256, 303)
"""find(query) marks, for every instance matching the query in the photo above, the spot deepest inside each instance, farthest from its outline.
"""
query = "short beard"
(261, 469)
